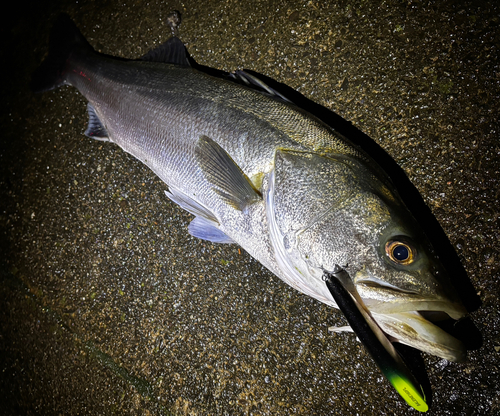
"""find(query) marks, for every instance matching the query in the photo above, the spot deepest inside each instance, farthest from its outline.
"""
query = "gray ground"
(109, 306)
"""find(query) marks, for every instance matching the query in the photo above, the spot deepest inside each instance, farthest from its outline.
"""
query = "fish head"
(334, 212)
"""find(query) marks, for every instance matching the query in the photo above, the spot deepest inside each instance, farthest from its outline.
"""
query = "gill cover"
(318, 208)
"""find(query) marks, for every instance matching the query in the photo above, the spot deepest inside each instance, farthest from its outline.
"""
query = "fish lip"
(381, 297)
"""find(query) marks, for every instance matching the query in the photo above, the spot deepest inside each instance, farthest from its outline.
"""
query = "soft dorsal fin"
(172, 51)
(224, 174)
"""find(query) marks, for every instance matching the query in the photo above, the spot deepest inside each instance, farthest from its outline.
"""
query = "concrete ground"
(108, 305)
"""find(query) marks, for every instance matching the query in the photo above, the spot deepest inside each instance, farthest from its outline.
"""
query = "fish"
(256, 170)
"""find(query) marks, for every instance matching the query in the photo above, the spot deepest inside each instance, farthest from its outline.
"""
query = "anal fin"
(95, 129)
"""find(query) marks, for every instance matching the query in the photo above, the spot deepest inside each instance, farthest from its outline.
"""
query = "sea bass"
(258, 171)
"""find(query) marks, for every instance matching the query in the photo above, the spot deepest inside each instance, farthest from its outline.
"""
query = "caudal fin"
(65, 38)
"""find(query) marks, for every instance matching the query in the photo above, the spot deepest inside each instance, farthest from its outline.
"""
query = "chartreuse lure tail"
(377, 344)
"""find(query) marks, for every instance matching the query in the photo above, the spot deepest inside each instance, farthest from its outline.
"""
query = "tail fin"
(64, 39)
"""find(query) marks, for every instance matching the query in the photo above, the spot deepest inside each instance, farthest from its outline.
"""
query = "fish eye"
(400, 252)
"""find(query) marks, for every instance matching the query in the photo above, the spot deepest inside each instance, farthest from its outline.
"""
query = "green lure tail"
(377, 344)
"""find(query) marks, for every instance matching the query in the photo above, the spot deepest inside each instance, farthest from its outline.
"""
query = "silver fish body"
(260, 172)
(159, 112)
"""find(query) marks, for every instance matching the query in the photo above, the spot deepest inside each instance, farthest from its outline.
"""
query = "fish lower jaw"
(411, 328)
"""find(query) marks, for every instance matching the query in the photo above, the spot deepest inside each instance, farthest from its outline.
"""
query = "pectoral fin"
(224, 174)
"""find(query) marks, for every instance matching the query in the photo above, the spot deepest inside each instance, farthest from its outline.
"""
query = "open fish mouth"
(410, 318)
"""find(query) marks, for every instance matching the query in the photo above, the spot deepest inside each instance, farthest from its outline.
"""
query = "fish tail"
(65, 39)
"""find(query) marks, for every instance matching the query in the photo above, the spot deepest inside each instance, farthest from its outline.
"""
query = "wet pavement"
(108, 305)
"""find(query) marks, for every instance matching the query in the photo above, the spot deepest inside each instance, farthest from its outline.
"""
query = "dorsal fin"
(172, 51)
(252, 81)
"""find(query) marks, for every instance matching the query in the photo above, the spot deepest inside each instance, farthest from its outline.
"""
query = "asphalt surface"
(108, 305)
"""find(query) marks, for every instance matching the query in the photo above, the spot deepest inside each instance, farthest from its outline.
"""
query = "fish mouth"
(411, 318)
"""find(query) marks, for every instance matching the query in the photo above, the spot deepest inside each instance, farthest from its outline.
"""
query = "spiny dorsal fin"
(256, 83)
(228, 179)
(172, 51)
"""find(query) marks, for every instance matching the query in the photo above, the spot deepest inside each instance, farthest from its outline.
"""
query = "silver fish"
(256, 170)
